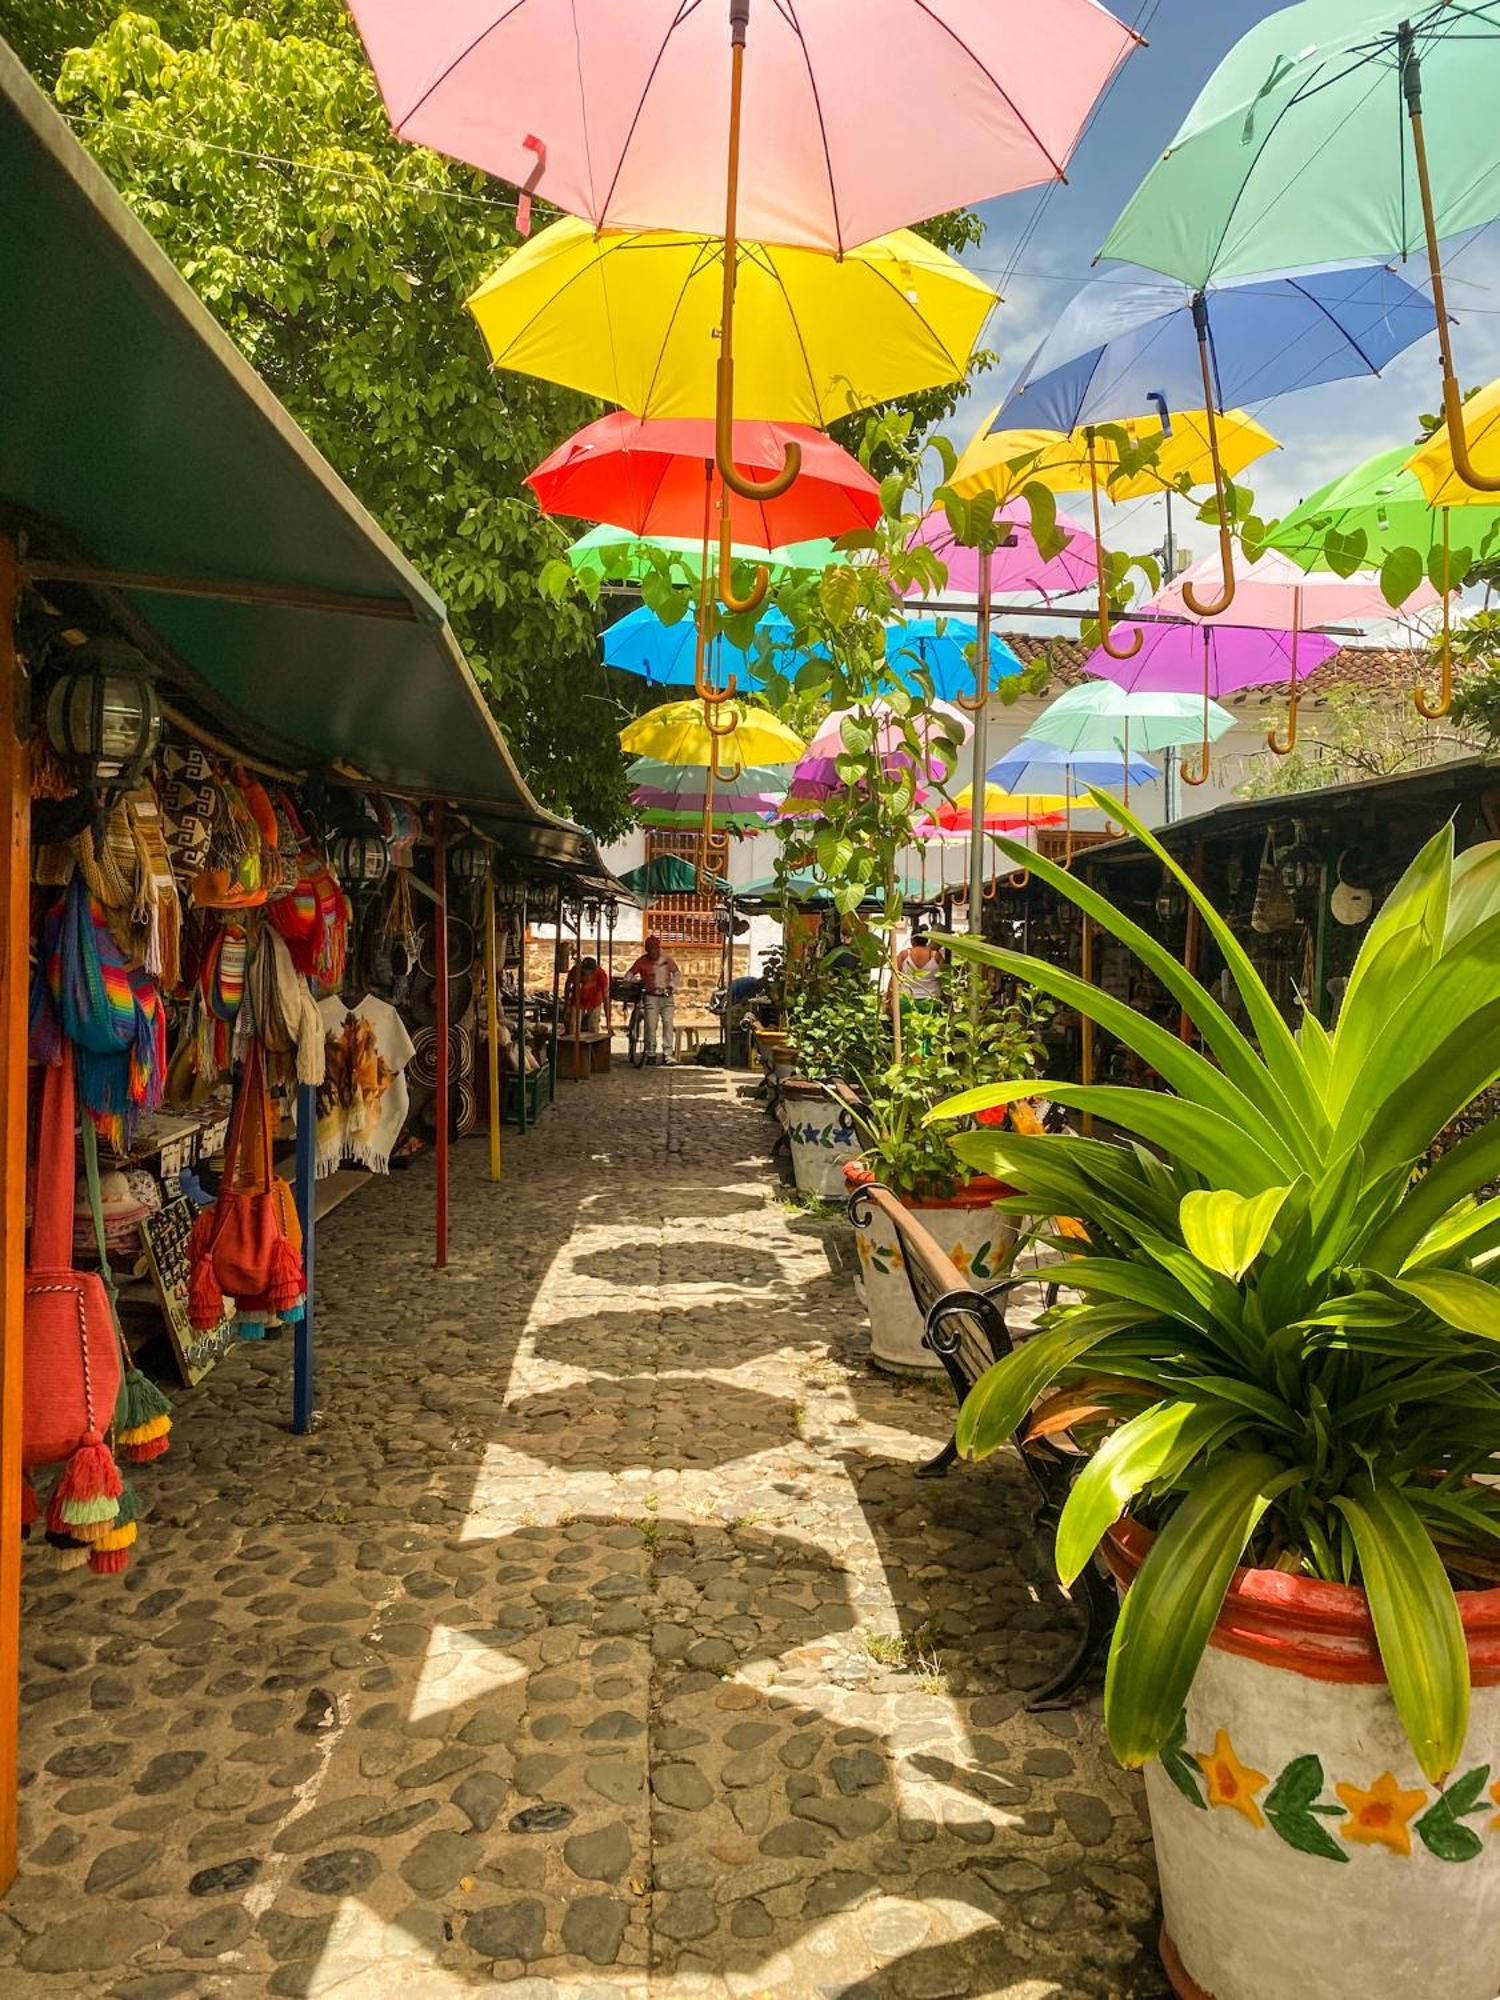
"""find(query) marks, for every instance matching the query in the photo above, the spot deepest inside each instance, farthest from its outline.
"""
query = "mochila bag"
(248, 1246)
(71, 1377)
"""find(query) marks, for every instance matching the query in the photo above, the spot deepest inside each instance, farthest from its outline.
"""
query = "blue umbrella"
(1129, 341)
(944, 647)
(664, 655)
(1034, 766)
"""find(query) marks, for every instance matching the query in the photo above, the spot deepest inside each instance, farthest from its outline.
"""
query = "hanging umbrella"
(1003, 461)
(817, 775)
(668, 655)
(1034, 766)
(1019, 564)
(659, 477)
(739, 820)
(1274, 592)
(1307, 146)
(663, 875)
(1003, 812)
(946, 650)
(1379, 506)
(679, 733)
(612, 113)
(652, 772)
(807, 886)
(1101, 715)
(632, 317)
(615, 555)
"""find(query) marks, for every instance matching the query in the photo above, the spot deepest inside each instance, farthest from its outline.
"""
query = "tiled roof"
(1382, 672)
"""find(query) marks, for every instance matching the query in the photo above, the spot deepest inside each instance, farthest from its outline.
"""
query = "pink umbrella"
(1211, 659)
(1274, 592)
(1021, 566)
(817, 776)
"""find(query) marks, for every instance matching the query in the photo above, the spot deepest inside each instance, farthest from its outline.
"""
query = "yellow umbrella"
(1001, 804)
(1003, 462)
(679, 732)
(1433, 462)
(633, 316)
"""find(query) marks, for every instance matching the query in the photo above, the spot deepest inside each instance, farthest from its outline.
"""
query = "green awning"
(137, 442)
(664, 875)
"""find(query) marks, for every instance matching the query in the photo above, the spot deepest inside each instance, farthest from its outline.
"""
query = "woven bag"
(248, 1246)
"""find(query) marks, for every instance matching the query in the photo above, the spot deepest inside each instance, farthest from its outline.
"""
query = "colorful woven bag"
(72, 1356)
(248, 1246)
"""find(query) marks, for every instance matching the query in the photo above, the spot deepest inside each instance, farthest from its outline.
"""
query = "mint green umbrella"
(1100, 715)
(617, 556)
(1335, 130)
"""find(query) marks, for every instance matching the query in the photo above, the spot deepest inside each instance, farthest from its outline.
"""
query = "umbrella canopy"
(1439, 477)
(1209, 659)
(807, 886)
(679, 778)
(620, 113)
(657, 477)
(1031, 765)
(617, 556)
(1277, 592)
(1002, 460)
(1377, 506)
(681, 819)
(1120, 346)
(735, 803)
(666, 655)
(1021, 566)
(945, 649)
(1298, 151)
(677, 733)
(817, 774)
(1099, 715)
(1004, 812)
(633, 318)
(663, 875)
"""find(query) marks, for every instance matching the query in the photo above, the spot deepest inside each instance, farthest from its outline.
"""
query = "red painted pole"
(440, 884)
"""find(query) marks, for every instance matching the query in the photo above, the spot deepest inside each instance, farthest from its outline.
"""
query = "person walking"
(659, 976)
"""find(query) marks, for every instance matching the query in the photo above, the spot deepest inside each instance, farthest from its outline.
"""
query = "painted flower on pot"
(1380, 1815)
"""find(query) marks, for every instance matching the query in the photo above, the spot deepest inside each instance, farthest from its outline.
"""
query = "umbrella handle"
(756, 596)
(1433, 711)
(1136, 637)
(1202, 607)
(1283, 746)
(1020, 879)
(1199, 777)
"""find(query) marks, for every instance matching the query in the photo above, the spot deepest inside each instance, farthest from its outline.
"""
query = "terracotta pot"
(1300, 1849)
(823, 1138)
(976, 1238)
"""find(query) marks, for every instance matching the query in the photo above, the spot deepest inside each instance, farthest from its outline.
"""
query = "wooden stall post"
(304, 1389)
(15, 877)
(492, 1018)
(556, 990)
(609, 995)
(522, 1119)
(579, 1072)
(1191, 942)
(440, 884)
(1318, 998)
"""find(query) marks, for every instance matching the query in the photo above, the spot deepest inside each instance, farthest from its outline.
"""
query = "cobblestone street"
(600, 1641)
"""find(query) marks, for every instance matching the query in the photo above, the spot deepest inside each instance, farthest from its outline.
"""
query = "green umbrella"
(666, 875)
(1099, 715)
(1376, 509)
(617, 556)
(1307, 146)
(732, 820)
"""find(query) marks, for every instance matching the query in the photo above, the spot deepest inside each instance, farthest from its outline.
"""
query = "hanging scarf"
(221, 991)
(286, 1015)
(314, 920)
(109, 1009)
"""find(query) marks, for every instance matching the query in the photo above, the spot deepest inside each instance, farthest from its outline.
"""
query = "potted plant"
(841, 1032)
(957, 1046)
(1281, 1342)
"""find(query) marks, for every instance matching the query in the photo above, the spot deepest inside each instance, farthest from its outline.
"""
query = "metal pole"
(304, 1382)
(521, 1042)
(15, 915)
(440, 884)
(556, 997)
(609, 994)
(492, 1018)
(577, 1010)
(980, 765)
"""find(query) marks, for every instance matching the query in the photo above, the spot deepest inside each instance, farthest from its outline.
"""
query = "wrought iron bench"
(967, 1330)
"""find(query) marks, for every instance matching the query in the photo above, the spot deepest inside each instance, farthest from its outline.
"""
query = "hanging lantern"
(469, 860)
(102, 716)
(360, 856)
(509, 893)
(1171, 903)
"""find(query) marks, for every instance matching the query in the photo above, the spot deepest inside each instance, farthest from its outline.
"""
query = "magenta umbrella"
(1212, 660)
(1021, 566)
(817, 776)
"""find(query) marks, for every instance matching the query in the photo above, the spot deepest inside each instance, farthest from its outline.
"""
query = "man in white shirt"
(659, 977)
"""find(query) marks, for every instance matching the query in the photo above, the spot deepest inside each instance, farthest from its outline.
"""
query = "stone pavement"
(599, 1643)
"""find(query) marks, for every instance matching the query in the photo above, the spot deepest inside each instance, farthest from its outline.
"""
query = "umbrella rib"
(788, 11)
(1059, 172)
(701, 261)
(687, 7)
(463, 55)
(1334, 323)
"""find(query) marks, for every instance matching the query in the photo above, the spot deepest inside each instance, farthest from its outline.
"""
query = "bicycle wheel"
(637, 1037)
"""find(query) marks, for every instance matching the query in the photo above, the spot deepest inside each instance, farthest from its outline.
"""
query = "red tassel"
(90, 1474)
(31, 1506)
(108, 1562)
(288, 1284)
(140, 1454)
(205, 1297)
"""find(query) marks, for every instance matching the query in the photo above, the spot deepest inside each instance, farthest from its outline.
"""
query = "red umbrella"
(657, 477)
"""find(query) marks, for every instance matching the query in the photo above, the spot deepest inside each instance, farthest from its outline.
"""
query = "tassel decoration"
(67, 1553)
(111, 1553)
(31, 1506)
(143, 1417)
(146, 1441)
(288, 1277)
(86, 1499)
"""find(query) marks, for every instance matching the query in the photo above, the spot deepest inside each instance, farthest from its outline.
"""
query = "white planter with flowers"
(976, 1238)
(823, 1139)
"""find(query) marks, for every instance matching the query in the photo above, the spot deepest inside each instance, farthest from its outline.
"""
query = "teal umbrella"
(1309, 145)
(666, 875)
(1099, 715)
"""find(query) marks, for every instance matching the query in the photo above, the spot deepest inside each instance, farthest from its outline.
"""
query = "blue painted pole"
(303, 1391)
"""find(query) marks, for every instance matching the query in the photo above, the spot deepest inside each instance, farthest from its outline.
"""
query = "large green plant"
(1297, 1343)
(839, 1027)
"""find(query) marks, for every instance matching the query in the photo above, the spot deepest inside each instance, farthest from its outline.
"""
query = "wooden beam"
(15, 915)
(228, 590)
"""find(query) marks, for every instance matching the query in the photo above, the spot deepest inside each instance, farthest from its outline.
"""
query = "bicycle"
(635, 1030)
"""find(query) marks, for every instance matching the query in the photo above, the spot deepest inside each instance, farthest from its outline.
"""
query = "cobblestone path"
(599, 1643)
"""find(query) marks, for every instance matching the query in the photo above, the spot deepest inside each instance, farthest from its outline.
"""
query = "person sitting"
(585, 994)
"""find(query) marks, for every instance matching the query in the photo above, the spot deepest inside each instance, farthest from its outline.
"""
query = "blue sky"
(1323, 430)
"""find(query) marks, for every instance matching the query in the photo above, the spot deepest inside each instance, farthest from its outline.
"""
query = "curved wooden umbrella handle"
(1282, 746)
(756, 595)
(1202, 607)
(1433, 711)
(703, 686)
(1136, 637)
(743, 483)
(972, 703)
(1020, 878)
(1200, 777)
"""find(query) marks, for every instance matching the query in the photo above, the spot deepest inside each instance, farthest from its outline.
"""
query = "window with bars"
(679, 919)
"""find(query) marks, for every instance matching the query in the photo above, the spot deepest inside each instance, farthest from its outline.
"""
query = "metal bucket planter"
(977, 1239)
(823, 1138)
(1300, 1849)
